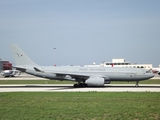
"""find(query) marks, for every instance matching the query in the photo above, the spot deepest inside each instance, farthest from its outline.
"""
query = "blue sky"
(83, 31)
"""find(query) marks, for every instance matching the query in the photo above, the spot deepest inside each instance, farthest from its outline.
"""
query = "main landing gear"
(80, 85)
(137, 83)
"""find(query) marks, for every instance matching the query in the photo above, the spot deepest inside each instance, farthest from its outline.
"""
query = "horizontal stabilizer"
(38, 70)
(20, 68)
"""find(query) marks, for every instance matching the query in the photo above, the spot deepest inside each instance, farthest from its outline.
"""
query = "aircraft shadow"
(33, 86)
(71, 87)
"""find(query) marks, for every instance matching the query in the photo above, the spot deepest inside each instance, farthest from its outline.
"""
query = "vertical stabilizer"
(20, 57)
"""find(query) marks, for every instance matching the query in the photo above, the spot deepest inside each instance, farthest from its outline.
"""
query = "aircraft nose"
(151, 75)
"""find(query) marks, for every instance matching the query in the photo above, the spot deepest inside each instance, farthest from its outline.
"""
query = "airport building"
(121, 63)
(5, 65)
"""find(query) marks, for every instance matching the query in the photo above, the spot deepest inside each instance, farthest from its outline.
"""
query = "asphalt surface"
(70, 88)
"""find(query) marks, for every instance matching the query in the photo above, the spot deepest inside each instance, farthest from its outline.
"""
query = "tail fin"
(20, 57)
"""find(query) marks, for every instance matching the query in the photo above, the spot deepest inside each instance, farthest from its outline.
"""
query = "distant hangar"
(5, 65)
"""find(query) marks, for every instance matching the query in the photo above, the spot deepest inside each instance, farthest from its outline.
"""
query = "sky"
(82, 31)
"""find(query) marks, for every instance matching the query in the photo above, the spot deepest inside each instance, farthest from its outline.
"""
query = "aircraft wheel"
(81, 85)
(85, 85)
(75, 85)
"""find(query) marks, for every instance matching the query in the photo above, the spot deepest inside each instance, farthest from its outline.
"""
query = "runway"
(69, 88)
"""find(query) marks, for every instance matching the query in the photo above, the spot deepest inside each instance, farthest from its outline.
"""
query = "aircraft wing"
(74, 75)
(89, 79)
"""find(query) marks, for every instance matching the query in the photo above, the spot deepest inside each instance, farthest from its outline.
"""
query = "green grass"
(150, 81)
(80, 106)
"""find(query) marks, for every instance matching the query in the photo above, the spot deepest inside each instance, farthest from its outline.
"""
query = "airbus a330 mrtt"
(85, 76)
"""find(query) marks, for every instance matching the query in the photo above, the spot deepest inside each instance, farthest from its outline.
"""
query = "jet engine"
(97, 81)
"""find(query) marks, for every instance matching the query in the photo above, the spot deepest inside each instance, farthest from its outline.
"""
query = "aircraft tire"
(137, 85)
(75, 85)
(85, 85)
(80, 85)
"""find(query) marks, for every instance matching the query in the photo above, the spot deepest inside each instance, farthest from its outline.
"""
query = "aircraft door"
(139, 72)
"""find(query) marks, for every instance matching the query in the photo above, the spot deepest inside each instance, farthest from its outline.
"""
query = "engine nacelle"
(97, 81)
(158, 73)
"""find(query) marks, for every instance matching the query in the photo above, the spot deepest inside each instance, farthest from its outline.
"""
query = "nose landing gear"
(137, 83)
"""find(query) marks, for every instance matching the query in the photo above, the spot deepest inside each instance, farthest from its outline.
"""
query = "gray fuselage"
(108, 73)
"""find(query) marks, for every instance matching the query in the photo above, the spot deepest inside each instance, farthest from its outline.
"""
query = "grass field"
(150, 81)
(80, 106)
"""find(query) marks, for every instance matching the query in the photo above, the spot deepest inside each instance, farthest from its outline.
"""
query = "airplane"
(10, 73)
(84, 76)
